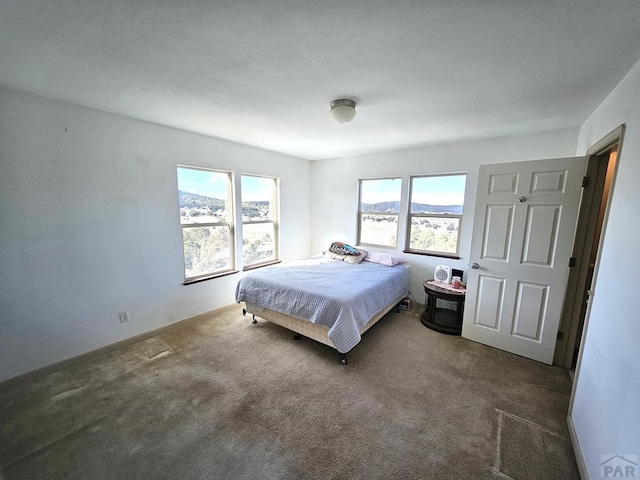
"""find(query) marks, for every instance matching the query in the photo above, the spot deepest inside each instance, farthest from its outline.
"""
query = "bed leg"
(343, 360)
(244, 314)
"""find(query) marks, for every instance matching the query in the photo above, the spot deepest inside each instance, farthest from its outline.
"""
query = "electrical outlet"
(124, 316)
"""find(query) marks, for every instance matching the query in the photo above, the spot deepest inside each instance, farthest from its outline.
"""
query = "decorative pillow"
(343, 249)
(346, 258)
(384, 259)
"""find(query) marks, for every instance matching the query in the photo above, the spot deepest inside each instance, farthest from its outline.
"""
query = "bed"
(330, 301)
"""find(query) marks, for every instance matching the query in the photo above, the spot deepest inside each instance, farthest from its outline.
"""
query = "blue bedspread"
(337, 294)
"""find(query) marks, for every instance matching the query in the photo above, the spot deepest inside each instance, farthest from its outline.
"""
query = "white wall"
(607, 390)
(89, 226)
(335, 186)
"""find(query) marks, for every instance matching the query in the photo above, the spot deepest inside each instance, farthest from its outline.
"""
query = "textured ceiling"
(263, 73)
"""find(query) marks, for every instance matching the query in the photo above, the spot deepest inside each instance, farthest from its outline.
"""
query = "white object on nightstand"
(442, 273)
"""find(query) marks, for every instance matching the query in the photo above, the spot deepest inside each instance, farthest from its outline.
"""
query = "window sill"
(260, 265)
(433, 254)
(208, 277)
(372, 245)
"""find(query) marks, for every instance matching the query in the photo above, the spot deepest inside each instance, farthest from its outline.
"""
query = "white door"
(523, 231)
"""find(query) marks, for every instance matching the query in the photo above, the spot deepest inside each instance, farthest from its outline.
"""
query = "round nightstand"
(443, 320)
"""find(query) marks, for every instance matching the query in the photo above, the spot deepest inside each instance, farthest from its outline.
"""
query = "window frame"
(410, 216)
(229, 224)
(360, 213)
(275, 221)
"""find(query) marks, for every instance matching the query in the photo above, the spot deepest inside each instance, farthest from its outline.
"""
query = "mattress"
(337, 294)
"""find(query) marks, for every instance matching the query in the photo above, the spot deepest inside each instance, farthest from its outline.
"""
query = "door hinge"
(560, 335)
(586, 181)
(572, 262)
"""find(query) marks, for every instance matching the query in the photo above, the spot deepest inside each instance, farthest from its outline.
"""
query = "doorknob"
(475, 266)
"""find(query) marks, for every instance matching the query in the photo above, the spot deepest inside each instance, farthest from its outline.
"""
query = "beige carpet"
(522, 443)
(225, 399)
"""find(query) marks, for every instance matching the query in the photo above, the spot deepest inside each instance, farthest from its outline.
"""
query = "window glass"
(206, 219)
(379, 209)
(435, 214)
(259, 220)
(206, 250)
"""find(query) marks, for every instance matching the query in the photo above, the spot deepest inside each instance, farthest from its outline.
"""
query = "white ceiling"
(263, 73)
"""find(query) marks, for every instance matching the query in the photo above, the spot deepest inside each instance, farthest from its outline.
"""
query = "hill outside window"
(379, 211)
(435, 214)
(259, 220)
(206, 217)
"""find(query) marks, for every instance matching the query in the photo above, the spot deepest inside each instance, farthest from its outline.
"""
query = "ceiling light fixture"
(342, 110)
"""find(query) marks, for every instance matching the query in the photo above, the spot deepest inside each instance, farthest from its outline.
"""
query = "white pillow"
(384, 259)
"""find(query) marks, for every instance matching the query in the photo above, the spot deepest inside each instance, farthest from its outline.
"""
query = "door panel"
(489, 306)
(530, 309)
(549, 182)
(497, 234)
(504, 183)
(523, 231)
(541, 235)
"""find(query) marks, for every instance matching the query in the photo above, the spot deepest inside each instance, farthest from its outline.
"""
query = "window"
(378, 212)
(259, 220)
(435, 214)
(207, 222)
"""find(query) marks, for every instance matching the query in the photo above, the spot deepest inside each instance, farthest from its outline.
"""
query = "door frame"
(600, 146)
(574, 312)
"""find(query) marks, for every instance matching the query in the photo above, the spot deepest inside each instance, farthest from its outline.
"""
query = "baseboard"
(577, 451)
(83, 357)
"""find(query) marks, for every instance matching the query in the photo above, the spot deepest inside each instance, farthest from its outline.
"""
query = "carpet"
(522, 443)
(224, 399)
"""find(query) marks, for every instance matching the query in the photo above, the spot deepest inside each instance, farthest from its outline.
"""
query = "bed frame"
(309, 329)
